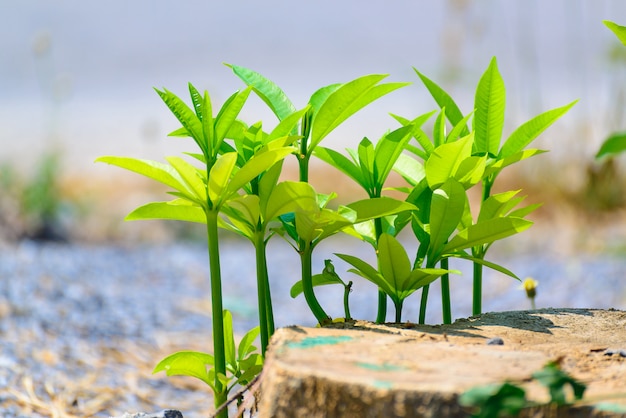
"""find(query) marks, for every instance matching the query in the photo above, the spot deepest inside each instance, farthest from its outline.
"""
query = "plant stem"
(398, 311)
(381, 316)
(480, 253)
(346, 304)
(266, 321)
(477, 290)
(306, 253)
(423, 302)
(445, 294)
(216, 308)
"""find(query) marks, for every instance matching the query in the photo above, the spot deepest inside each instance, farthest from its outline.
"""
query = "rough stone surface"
(360, 369)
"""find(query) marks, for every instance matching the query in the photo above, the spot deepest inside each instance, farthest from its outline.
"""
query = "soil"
(363, 369)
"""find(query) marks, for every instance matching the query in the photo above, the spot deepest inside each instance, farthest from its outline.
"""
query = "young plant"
(305, 230)
(394, 277)
(242, 363)
(488, 123)
(328, 107)
(201, 193)
(439, 190)
(369, 167)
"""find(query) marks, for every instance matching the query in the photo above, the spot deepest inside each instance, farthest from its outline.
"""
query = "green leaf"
(443, 99)
(322, 279)
(185, 116)
(445, 160)
(244, 213)
(319, 97)
(497, 205)
(379, 207)
(347, 100)
(246, 346)
(393, 261)
(269, 92)
(288, 125)
(410, 169)
(366, 162)
(192, 177)
(495, 400)
(458, 131)
(219, 177)
(388, 150)
(187, 363)
(175, 210)
(483, 262)
(439, 129)
(229, 340)
(495, 166)
(290, 196)
(446, 209)
(555, 379)
(489, 114)
(160, 172)
(367, 272)
(618, 30)
(614, 144)
(261, 162)
(228, 114)
(487, 232)
(421, 277)
(342, 163)
(527, 132)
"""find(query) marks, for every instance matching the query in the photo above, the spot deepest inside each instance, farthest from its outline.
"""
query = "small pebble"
(495, 341)
(620, 352)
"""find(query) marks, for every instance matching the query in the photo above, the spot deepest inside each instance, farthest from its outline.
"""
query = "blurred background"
(77, 79)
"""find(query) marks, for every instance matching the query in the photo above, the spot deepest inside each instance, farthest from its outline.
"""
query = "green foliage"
(242, 362)
(508, 399)
(235, 182)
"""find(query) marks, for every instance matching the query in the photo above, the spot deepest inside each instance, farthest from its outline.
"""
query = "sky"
(78, 76)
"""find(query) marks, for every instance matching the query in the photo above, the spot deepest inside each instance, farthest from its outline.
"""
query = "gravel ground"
(82, 326)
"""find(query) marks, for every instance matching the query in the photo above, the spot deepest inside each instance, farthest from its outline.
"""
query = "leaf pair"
(242, 363)
(394, 276)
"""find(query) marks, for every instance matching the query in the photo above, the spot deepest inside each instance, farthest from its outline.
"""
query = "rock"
(495, 341)
(361, 369)
(166, 413)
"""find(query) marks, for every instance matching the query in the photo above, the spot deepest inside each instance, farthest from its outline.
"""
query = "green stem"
(346, 305)
(306, 253)
(423, 302)
(381, 316)
(445, 294)
(477, 291)
(263, 292)
(398, 311)
(216, 309)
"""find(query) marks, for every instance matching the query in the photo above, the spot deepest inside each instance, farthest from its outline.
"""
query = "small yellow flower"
(530, 286)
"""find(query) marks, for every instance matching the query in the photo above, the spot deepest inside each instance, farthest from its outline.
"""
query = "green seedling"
(394, 277)
(201, 193)
(328, 108)
(305, 230)
(242, 361)
(369, 166)
(251, 214)
(439, 189)
(487, 123)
